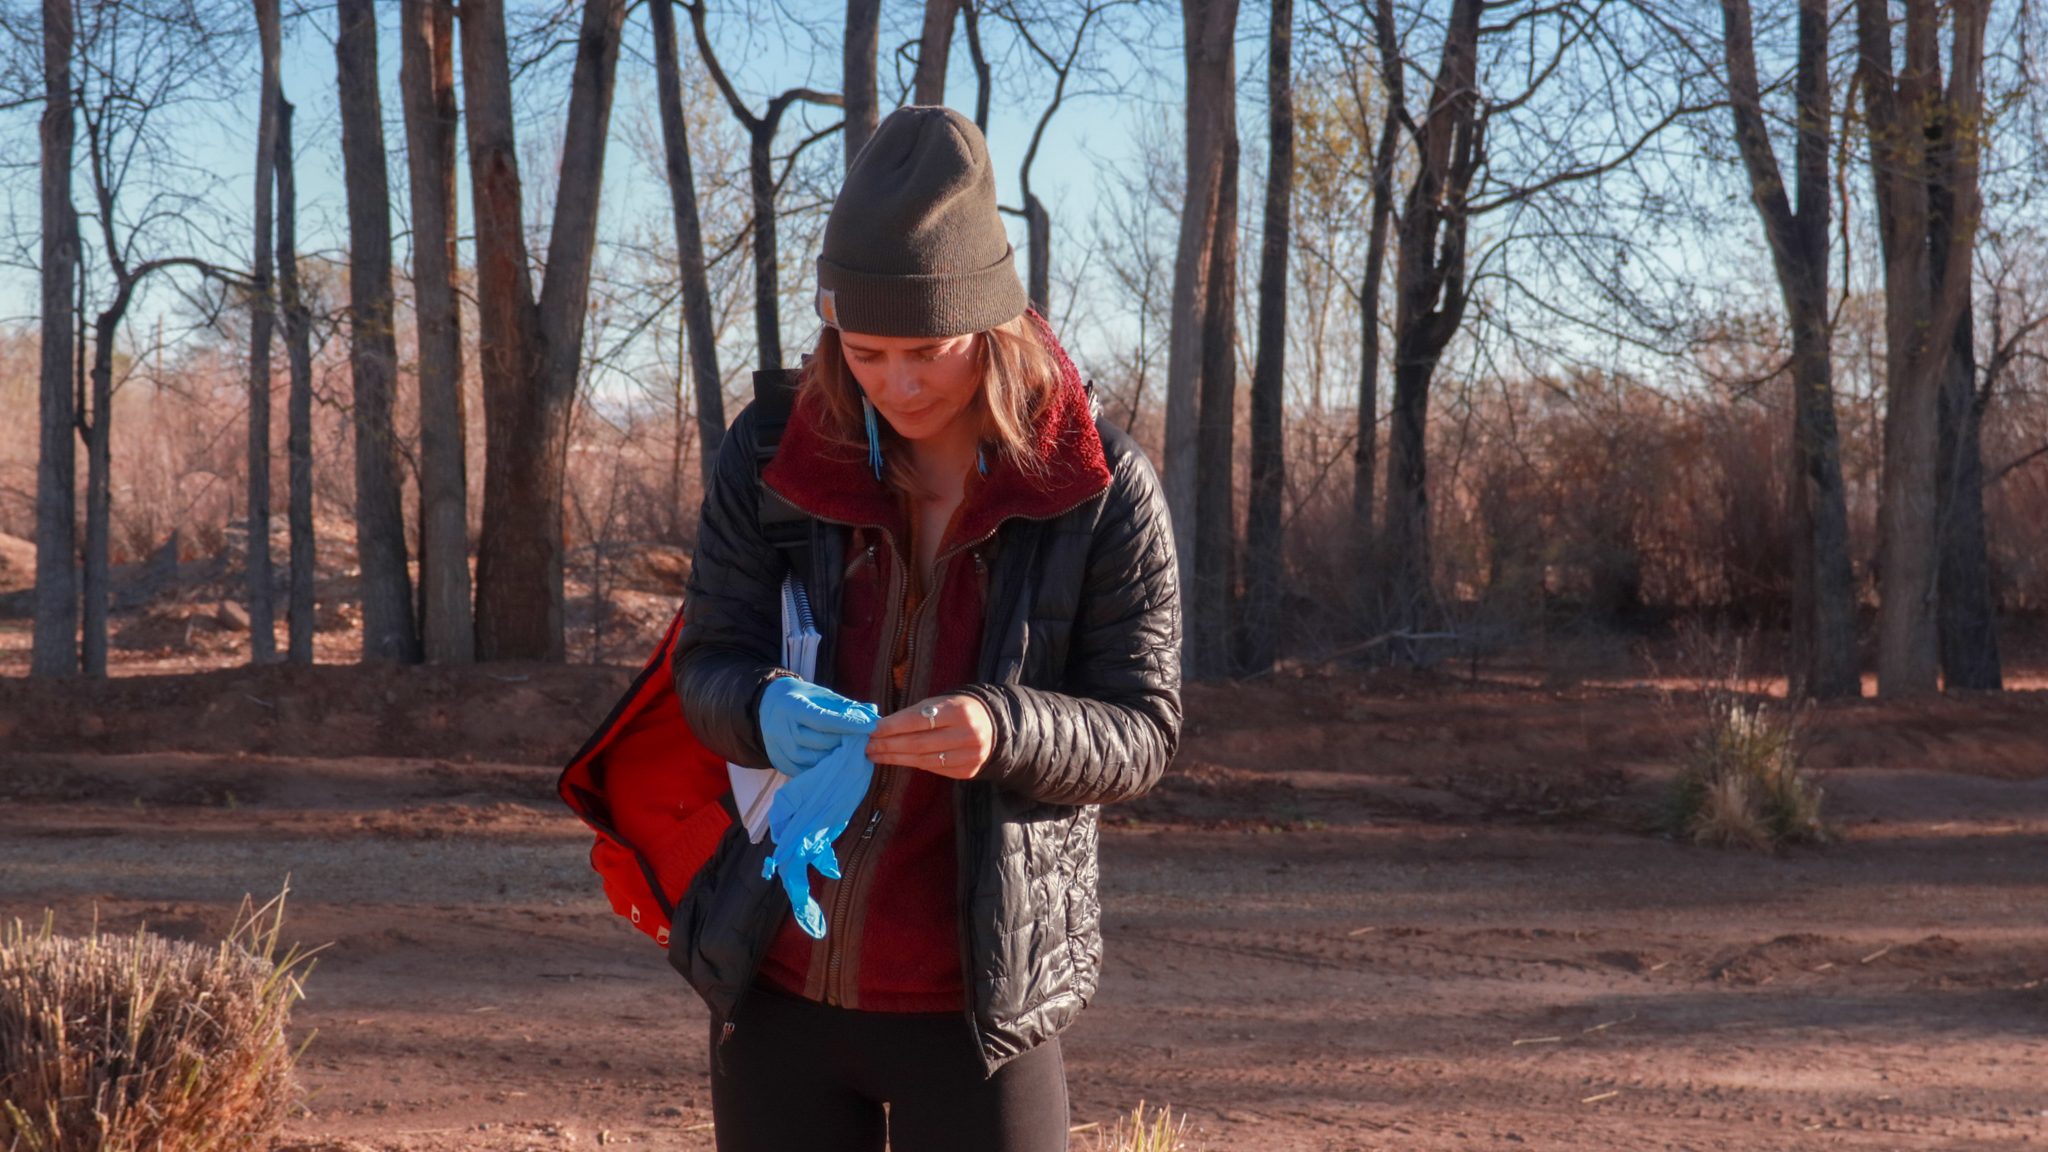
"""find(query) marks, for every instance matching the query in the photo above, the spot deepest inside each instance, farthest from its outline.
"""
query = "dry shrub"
(1160, 1131)
(133, 1043)
(1741, 784)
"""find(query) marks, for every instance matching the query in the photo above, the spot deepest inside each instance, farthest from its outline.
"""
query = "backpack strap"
(786, 526)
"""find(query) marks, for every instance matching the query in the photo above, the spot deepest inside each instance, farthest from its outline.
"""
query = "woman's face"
(922, 386)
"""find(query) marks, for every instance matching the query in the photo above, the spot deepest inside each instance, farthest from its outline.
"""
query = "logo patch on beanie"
(828, 306)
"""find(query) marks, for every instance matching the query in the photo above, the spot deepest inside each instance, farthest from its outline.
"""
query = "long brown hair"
(1018, 378)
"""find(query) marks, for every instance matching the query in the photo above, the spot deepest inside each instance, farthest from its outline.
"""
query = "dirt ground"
(1397, 912)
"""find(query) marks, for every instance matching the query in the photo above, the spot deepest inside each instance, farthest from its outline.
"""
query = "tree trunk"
(298, 439)
(696, 284)
(970, 17)
(426, 79)
(1823, 661)
(1038, 254)
(532, 352)
(1215, 599)
(767, 276)
(56, 624)
(99, 490)
(1919, 141)
(1429, 302)
(1366, 455)
(761, 138)
(388, 633)
(1210, 27)
(518, 602)
(857, 59)
(262, 620)
(1264, 540)
(934, 46)
(1968, 618)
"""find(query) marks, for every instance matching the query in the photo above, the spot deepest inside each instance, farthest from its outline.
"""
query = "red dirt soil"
(1405, 911)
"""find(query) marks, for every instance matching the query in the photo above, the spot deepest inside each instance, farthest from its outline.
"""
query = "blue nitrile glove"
(802, 722)
(810, 812)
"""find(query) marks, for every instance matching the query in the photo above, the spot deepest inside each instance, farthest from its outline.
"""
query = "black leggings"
(803, 1077)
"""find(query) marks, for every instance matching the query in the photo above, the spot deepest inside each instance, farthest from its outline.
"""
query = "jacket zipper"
(842, 902)
(853, 867)
(909, 626)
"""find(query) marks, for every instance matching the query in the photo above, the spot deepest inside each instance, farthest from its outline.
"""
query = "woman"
(993, 571)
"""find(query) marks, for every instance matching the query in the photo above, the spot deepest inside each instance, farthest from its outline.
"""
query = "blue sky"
(765, 51)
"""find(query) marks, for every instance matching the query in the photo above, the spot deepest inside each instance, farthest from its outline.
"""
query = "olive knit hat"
(914, 245)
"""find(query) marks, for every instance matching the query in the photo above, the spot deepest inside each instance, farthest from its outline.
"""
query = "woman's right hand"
(802, 722)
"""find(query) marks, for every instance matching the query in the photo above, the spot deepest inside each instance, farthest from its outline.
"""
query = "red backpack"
(655, 796)
(652, 792)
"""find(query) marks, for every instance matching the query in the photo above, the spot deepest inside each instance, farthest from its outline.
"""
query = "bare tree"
(1210, 27)
(1966, 617)
(532, 350)
(1060, 50)
(970, 20)
(761, 131)
(1365, 457)
(1968, 620)
(263, 317)
(934, 47)
(1923, 147)
(690, 268)
(388, 633)
(1823, 661)
(1547, 53)
(935, 51)
(132, 65)
(56, 625)
(1430, 288)
(426, 80)
(1214, 601)
(298, 439)
(862, 44)
(1263, 538)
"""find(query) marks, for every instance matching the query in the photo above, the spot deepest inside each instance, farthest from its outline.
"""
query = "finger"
(920, 743)
(946, 711)
(955, 759)
(896, 727)
(842, 721)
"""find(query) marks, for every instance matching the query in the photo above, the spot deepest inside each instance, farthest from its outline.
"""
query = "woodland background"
(1451, 326)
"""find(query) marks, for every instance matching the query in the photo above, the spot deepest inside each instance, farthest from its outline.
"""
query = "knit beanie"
(914, 246)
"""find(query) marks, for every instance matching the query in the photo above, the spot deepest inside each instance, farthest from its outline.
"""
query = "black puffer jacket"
(1079, 668)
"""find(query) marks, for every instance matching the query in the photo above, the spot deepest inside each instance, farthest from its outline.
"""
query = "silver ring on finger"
(930, 712)
(942, 759)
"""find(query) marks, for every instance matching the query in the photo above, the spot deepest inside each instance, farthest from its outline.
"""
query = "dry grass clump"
(141, 1044)
(1742, 783)
(1160, 1131)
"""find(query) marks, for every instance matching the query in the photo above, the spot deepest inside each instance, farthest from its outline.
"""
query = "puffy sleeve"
(1107, 732)
(732, 624)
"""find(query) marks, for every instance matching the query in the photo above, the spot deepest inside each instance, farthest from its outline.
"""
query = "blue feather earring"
(874, 437)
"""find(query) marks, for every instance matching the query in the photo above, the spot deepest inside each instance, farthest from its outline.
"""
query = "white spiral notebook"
(753, 789)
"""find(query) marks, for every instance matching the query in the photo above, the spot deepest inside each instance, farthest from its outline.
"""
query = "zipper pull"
(874, 819)
(725, 1033)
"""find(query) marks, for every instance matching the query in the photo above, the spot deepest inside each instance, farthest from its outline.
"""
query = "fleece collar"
(835, 483)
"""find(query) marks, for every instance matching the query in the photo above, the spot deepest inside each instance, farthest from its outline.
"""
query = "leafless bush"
(133, 1043)
(1741, 783)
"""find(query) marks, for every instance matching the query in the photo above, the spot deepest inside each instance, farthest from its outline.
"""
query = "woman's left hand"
(951, 736)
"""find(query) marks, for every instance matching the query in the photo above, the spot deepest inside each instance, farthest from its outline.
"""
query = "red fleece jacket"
(892, 940)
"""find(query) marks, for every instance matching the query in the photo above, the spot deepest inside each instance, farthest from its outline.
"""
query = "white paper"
(753, 789)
